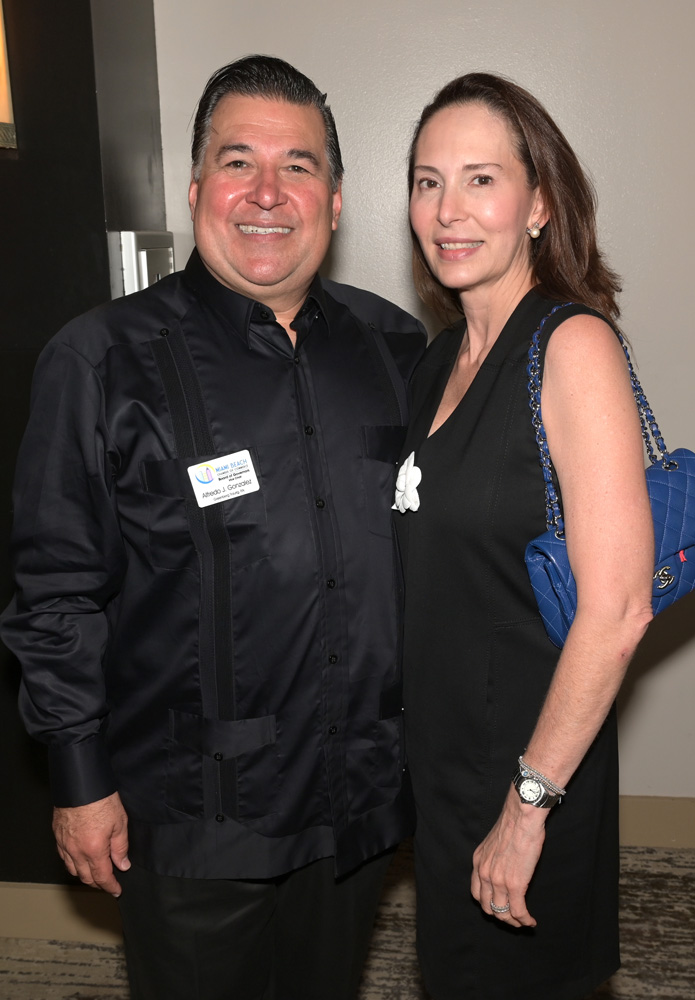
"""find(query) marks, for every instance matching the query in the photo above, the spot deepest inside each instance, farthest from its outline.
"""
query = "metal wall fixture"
(138, 259)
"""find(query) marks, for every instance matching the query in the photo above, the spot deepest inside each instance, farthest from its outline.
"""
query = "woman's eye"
(426, 183)
(482, 180)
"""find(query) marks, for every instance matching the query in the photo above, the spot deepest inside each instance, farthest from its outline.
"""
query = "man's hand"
(92, 839)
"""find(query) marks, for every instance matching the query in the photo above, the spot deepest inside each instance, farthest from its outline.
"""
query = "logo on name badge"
(223, 478)
(205, 474)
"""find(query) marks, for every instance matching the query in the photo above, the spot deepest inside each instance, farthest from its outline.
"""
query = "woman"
(516, 901)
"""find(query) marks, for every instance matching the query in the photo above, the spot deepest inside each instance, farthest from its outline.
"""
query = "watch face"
(530, 790)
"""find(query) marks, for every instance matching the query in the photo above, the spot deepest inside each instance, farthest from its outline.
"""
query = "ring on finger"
(499, 909)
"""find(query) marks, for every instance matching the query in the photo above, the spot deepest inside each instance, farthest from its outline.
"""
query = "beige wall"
(618, 76)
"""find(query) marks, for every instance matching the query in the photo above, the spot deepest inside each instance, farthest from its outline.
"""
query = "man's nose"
(267, 192)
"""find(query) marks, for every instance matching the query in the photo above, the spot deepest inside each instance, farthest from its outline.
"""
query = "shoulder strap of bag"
(654, 442)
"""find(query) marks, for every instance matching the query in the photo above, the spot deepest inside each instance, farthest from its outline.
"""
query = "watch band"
(532, 791)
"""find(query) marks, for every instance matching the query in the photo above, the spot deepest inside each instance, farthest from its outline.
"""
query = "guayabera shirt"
(208, 596)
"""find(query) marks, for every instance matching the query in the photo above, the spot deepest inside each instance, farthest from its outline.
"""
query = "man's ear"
(337, 206)
(192, 194)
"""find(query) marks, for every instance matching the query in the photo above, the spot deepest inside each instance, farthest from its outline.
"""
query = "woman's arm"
(595, 442)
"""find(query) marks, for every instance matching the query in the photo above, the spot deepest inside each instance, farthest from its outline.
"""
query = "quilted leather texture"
(553, 584)
(672, 496)
(672, 499)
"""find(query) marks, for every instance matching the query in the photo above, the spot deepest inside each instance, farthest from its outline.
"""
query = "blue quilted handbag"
(671, 487)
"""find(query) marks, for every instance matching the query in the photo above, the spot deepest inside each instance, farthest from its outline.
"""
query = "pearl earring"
(534, 232)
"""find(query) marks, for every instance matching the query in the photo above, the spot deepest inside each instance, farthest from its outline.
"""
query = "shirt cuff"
(80, 773)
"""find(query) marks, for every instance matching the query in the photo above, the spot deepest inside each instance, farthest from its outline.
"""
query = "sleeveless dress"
(477, 667)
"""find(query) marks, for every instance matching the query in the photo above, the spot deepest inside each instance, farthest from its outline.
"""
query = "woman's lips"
(459, 244)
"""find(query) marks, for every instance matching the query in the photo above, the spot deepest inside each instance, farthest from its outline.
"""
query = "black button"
(220, 818)
(309, 430)
(164, 332)
(320, 503)
(332, 730)
(296, 359)
(330, 584)
(333, 658)
(264, 314)
(218, 756)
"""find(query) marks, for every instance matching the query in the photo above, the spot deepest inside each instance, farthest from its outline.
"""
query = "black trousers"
(302, 936)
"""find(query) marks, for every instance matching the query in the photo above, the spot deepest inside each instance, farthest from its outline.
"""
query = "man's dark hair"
(274, 79)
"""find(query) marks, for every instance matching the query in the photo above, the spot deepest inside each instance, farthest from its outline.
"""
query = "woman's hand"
(504, 863)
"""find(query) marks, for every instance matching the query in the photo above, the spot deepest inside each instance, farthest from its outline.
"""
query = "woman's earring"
(534, 232)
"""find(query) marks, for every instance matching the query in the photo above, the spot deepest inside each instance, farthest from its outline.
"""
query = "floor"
(657, 921)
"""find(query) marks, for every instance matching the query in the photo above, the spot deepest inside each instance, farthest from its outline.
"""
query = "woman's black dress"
(478, 664)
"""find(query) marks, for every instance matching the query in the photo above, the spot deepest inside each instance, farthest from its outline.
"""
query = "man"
(207, 594)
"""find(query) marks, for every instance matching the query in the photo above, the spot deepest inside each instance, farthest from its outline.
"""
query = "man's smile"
(262, 230)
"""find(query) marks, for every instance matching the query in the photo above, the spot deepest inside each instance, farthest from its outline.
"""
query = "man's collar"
(236, 308)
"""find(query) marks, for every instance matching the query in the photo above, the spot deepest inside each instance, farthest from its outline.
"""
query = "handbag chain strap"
(650, 428)
(653, 440)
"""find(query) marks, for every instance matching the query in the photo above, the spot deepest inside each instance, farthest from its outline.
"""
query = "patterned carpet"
(658, 943)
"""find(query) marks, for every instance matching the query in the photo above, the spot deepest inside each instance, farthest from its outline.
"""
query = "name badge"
(223, 478)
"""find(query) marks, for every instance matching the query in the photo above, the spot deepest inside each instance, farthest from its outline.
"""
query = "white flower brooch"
(407, 482)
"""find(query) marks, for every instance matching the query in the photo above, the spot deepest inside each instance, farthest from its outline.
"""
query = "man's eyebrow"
(303, 154)
(244, 147)
(232, 147)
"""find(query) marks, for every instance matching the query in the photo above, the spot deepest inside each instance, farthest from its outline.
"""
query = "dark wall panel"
(54, 260)
(129, 121)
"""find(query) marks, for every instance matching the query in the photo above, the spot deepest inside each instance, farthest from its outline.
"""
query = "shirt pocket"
(375, 759)
(203, 757)
(171, 503)
(381, 447)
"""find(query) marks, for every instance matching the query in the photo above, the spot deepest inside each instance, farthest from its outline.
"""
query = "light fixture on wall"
(8, 134)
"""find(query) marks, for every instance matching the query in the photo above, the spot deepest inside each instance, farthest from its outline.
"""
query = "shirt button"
(320, 503)
(333, 658)
(332, 730)
(218, 756)
(296, 359)
(308, 430)
(220, 818)
(264, 314)
(330, 584)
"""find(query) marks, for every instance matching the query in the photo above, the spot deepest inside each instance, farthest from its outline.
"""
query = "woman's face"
(471, 203)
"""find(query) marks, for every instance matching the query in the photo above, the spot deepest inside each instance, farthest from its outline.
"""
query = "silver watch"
(533, 792)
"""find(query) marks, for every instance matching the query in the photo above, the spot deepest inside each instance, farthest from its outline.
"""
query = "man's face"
(262, 208)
